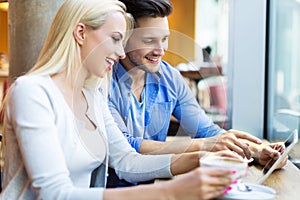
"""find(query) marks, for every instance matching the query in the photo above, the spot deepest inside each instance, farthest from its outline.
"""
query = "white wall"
(246, 59)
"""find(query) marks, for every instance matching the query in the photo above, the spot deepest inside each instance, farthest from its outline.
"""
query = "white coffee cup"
(237, 166)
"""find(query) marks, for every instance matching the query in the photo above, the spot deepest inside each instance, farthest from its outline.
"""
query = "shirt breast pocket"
(159, 121)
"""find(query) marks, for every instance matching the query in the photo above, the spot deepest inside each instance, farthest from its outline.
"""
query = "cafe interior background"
(248, 81)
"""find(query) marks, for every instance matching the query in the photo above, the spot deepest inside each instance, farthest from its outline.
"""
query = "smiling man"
(146, 91)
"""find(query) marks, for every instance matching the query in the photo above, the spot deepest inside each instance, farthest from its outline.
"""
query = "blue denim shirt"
(166, 94)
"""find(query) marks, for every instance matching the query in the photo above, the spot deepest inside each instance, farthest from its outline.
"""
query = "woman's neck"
(70, 85)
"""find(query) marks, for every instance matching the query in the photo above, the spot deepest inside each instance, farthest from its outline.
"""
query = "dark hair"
(148, 8)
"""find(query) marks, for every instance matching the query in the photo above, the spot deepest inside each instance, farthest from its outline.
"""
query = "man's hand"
(267, 154)
(233, 140)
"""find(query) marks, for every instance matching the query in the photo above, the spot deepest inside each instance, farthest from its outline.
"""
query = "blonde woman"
(58, 128)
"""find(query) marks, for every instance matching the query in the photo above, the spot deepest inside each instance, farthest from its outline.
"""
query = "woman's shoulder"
(32, 80)
(31, 83)
(29, 79)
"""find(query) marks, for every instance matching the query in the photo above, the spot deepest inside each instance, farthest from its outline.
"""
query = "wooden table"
(204, 72)
(286, 181)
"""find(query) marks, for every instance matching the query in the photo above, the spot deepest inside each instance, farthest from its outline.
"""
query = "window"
(284, 68)
(212, 27)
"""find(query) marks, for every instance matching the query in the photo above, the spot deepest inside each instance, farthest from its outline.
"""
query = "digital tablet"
(289, 143)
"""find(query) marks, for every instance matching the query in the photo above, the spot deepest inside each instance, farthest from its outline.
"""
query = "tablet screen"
(272, 164)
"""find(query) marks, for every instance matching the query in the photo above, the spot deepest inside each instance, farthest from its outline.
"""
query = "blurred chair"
(212, 97)
(212, 94)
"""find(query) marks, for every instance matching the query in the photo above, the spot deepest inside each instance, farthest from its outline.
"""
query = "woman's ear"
(79, 33)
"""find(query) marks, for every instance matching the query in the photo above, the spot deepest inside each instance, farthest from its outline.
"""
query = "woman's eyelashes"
(117, 37)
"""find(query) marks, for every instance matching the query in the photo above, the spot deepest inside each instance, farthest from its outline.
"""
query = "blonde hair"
(61, 52)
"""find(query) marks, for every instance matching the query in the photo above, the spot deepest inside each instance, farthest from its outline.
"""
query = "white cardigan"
(45, 158)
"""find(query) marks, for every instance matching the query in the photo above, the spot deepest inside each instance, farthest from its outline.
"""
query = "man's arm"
(177, 145)
(230, 140)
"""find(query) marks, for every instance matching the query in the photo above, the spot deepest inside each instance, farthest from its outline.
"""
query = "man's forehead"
(151, 32)
(159, 22)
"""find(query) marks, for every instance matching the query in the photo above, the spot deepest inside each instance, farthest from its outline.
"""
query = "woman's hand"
(201, 183)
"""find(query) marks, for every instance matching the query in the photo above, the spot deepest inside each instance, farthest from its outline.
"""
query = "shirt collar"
(121, 72)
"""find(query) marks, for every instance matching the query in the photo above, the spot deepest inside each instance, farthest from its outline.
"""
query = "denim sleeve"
(192, 117)
(135, 142)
